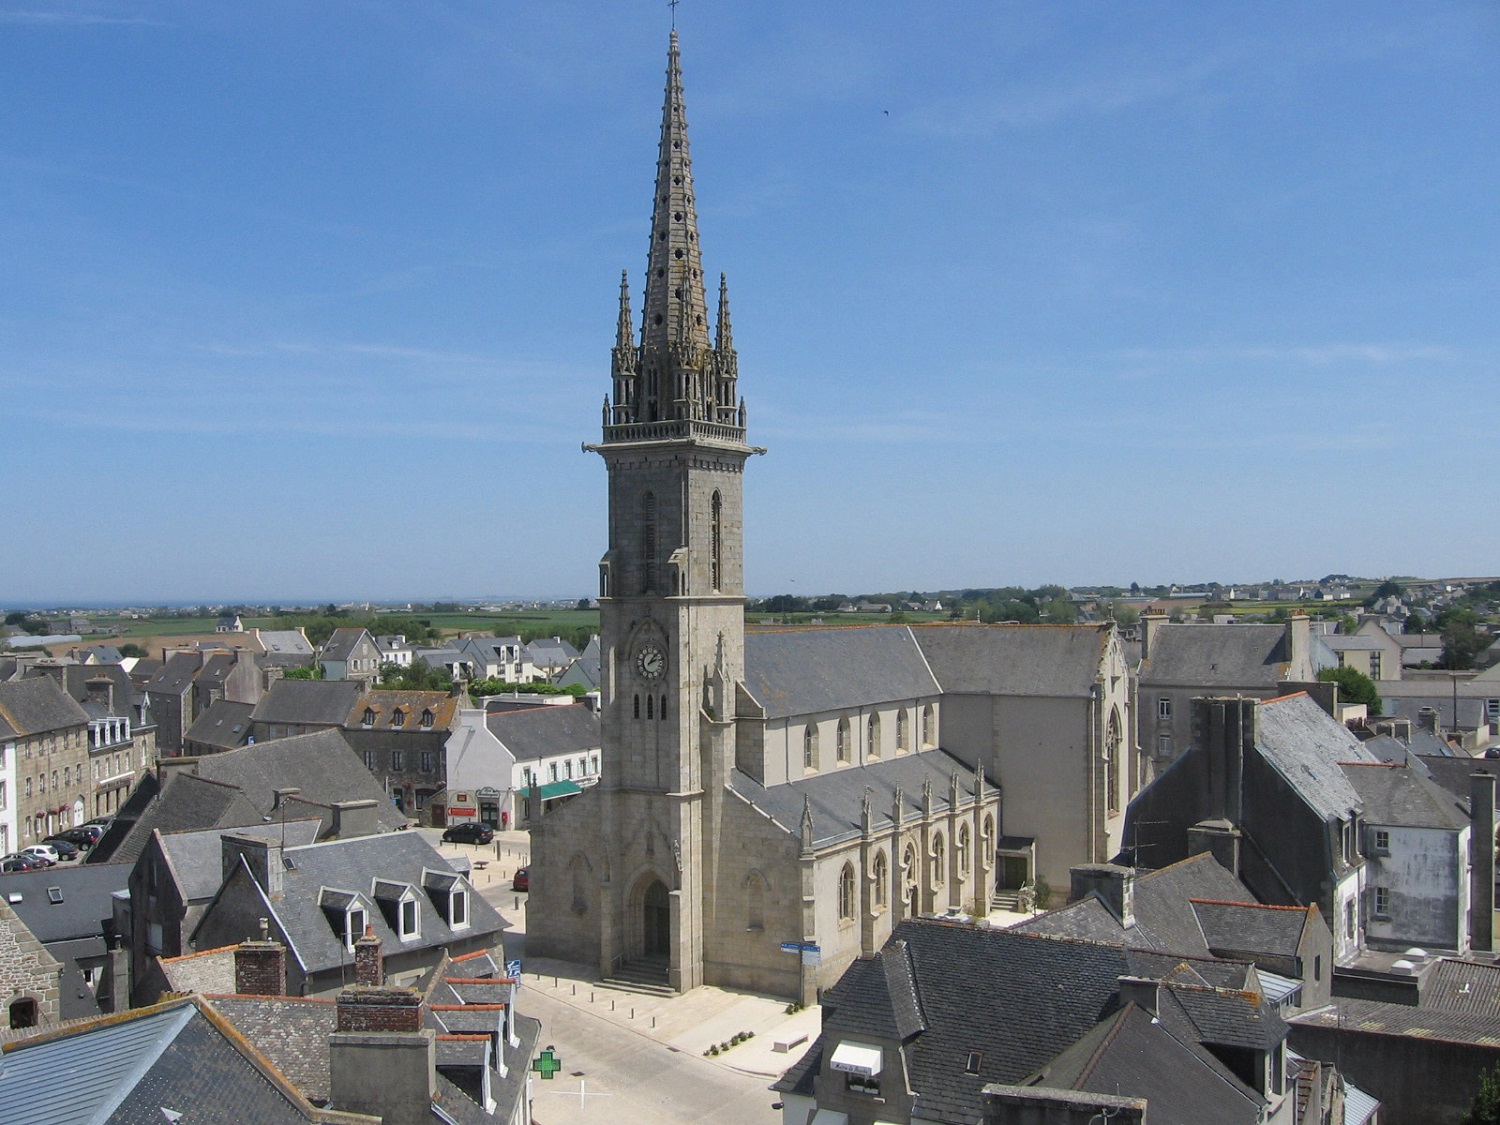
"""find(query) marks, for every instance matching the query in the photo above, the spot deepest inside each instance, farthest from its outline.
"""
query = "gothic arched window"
(880, 876)
(961, 850)
(929, 727)
(939, 860)
(846, 893)
(872, 736)
(810, 747)
(841, 742)
(1112, 762)
(755, 901)
(903, 735)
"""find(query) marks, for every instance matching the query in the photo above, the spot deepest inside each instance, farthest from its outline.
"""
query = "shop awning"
(852, 1058)
(555, 789)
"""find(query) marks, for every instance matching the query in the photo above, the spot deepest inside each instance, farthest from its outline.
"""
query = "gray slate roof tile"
(807, 671)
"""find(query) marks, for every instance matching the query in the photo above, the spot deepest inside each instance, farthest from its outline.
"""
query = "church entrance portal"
(657, 908)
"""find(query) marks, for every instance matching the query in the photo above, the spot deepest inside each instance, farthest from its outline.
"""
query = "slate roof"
(291, 1031)
(125, 1068)
(1217, 656)
(37, 706)
(341, 645)
(86, 908)
(1403, 797)
(197, 858)
(224, 726)
(285, 642)
(308, 702)
(76, 679)
(1453, 774)
(1164, 917)
(1307, 747)
(359, 864)
(186, 802)
(1037, 660)
(320, 764)
(805, 671)
(837, 797)
(533, 733)
(1020, 1000)
(176, 676)
(1132, 1051)
(1248, 927)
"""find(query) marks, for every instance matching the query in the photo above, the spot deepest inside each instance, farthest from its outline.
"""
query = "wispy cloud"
(75, 19)
(1310, 355)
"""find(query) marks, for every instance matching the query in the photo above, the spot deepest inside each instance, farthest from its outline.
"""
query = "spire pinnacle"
(724, 332)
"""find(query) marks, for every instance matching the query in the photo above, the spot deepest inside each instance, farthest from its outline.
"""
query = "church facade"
(770, 805)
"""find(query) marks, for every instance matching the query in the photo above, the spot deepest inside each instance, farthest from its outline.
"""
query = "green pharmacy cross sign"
(547, 1064)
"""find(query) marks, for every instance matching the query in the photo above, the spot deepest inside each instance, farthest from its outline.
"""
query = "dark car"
(84, 836)
(15, 861)
(522, 881)
(469, 832)
(64, 847)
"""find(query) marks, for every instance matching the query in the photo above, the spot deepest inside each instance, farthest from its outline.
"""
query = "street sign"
(811, 955)
(802, 947)
(547, 1064)
(791, 947)
(513, 969)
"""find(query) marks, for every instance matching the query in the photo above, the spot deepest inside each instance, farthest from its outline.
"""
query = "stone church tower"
(671, 598)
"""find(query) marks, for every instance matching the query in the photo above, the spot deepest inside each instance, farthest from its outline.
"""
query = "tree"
(1354, 687)
(1462, 643)
(583, 603)
(1485, 1108)
(130, 648)
(15, 618)
(311, 672)
(1387, 589)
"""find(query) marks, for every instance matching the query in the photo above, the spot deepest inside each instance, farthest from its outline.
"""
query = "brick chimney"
(260, 966)
(369, 965)
(382, 1061)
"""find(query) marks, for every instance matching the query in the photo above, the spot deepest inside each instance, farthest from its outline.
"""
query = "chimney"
(260, 966)
(1150, 623)
(356, 818)
(369, 965)
(1482, 860)
(263, 857)
(1140, 992)
(101, 690)
(1427, 719)
(1115, 886)
(381, 1060)
(282, 796)
(1299, 647)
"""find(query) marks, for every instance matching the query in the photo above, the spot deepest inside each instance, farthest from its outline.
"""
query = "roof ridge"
(1256, 905)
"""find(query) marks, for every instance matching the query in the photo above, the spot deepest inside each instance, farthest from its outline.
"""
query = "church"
(771, 805)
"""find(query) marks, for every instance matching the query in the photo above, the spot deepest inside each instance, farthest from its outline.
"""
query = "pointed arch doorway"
(656, 920)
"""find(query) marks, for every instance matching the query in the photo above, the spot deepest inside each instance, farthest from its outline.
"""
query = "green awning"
(555, 789)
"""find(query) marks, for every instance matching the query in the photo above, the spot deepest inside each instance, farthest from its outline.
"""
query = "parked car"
(469, 832)
(101, 821)
(15, 861)
(64, 847)
(522, 881)
(46, 855)
(84, 836)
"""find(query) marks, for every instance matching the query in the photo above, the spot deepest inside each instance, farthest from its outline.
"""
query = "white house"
(507, 767)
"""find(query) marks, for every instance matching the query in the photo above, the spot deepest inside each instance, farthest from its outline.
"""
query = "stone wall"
(27, 970)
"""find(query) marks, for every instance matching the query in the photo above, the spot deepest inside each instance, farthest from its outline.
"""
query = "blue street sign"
(513, 969)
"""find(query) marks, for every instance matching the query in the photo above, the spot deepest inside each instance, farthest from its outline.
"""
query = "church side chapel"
(772, 805)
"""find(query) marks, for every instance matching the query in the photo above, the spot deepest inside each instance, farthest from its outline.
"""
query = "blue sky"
(315, 301)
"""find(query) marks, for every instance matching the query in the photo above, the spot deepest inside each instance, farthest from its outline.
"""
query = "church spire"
(675, 373)
(675, 306)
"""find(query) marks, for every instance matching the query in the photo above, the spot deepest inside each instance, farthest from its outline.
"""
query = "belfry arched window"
(716, 543)
(648, 542)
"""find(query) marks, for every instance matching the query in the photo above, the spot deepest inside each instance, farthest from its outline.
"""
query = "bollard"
(611, 1005)
(653, 1023)
(575, 990)
(632, 1013)
(591, 997)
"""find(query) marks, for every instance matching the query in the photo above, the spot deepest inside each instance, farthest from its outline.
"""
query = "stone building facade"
(45, 734)
(29, 976)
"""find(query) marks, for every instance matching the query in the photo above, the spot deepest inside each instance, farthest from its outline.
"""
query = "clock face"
(651, 662)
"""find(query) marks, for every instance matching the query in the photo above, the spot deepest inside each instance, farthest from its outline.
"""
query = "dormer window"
(346, 913)
(369, 717)
(398, 717)
(398, 903)
(450, 896)
(427, 717)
